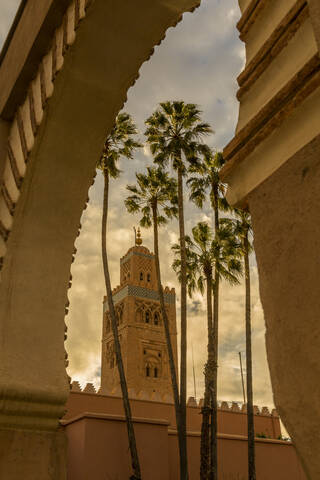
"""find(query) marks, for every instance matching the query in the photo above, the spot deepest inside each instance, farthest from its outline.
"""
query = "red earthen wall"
(98, 449)
(229, 422)
(98, 444)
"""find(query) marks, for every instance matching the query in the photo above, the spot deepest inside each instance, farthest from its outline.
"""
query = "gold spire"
(138, 237)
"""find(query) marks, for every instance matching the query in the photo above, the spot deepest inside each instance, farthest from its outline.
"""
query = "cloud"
(146, 151)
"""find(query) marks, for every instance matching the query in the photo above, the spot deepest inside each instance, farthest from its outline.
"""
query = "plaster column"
(273, 168)
(4, 132)
(314, 7)
(285, 215)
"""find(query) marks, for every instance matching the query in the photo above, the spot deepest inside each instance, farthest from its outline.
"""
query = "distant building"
(140, 324)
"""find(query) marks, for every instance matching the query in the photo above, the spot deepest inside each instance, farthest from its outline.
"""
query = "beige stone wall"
(279, 91)
(314, 7)
(285, 213)
(273, 168)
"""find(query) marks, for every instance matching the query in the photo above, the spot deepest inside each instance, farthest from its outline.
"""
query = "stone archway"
(56, 123)
(80, 74)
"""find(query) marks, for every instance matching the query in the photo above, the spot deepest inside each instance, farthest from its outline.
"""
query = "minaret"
(141, 329)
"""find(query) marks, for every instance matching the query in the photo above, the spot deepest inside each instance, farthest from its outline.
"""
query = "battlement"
(223, 405)
(116, 289)
(169, 290)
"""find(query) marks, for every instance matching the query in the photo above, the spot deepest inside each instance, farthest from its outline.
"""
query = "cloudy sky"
(198, 62)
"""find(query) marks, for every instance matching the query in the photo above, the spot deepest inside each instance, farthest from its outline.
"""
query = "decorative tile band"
(136, 291)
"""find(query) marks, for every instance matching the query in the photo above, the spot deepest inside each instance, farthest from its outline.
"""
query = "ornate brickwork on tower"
(141, 329)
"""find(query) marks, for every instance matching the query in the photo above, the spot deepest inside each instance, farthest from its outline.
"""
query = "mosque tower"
(141, 329)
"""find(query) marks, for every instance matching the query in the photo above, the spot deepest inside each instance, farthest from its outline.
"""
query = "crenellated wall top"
(232, 407)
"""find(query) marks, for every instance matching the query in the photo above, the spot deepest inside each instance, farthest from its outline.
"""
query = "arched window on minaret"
(152, 365)
(148, 277)
(156, 318)
(147, 316)
(119, 314)
(141, 276)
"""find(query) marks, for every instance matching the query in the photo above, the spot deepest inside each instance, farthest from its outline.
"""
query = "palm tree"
(174, 132)
(243, 229)
(208, 178)
(205, 252)
(118, 143)
(154, 191)
(199, 271)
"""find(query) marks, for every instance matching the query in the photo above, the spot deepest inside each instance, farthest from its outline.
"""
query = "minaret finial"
(138, 237)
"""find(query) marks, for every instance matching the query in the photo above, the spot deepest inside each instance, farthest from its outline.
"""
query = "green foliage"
(206, 179)
(175, 129)
(119, 143)
(261, 435)
(205, 252)
(155, 189)
(242, 228)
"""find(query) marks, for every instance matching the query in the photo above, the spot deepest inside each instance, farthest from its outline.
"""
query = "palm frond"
(118, 143)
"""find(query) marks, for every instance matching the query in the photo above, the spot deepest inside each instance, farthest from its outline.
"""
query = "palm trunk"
(123, 383)
(172, 365)
(209, 369)
(183, 349)
(214, 399)
(250, 416)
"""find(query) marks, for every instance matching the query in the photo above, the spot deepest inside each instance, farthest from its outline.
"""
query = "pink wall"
(229, 421)
(103, 453)
(275, 460)
(98, 444)
(98, 450)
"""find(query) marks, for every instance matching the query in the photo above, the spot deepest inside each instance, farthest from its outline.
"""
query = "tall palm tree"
(206, 252)
(118, 143)
(243, 229)
(174, 133)
(155, 196)
(199, 272)
(207, 179)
